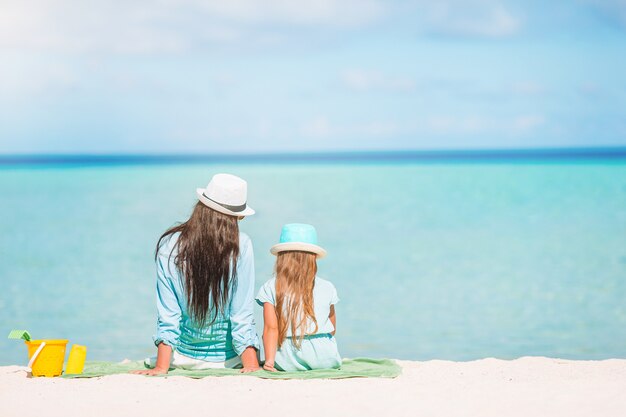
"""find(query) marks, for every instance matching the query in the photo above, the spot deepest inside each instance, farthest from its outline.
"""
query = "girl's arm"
(270, 336)
(333, 319)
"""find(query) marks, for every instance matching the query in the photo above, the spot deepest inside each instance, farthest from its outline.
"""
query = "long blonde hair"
(295, 279)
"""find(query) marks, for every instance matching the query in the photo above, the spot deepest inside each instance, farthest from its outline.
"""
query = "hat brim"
(298, 246)
(248, 211)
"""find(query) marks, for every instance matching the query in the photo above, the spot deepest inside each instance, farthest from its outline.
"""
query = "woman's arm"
(168, 317)
(249, 360)
(333, 319)
(243, 330)
(164, 357)
(270, 336)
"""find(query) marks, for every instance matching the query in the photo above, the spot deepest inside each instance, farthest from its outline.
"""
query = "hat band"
(236, 209)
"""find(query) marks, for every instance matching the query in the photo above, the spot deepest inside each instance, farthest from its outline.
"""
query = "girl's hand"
(150, 372)
(269, 367)
(250, 369)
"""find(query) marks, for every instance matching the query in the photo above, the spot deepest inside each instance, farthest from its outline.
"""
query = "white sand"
(529, 387)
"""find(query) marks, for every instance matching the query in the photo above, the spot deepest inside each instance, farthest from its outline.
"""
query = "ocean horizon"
(372, 156)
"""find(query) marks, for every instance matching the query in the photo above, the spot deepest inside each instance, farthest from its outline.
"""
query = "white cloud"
(317, 127)
(522, 124)
(361, 80)
(527, 88)
(20, 80)
(474, 18)
(425, 126)
(170, 26)
(166, 26)
(474, 124)
(319, 12)
(75, 26)
(446, 124)
(321, 127)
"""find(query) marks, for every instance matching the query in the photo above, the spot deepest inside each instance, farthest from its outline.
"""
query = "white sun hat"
(227, 194)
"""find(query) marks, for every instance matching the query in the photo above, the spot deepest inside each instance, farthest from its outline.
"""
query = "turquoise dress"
(318, 349)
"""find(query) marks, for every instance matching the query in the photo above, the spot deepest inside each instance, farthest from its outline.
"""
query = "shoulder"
(167, 245)
(270, 284)
(324, 284)
(244, 239)
(267, 292)
(166, 258)
(326, 291)
(245, 243)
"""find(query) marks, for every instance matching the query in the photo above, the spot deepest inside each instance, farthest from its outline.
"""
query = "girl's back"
(298, 306)
(318, 348)
(324, 296)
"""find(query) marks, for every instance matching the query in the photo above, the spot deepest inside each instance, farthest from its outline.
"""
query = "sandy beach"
(530, 386)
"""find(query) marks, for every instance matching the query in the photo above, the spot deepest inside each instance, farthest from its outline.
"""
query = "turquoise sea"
(450, 261)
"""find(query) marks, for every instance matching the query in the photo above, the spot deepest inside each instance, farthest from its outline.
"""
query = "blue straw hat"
(298, 237)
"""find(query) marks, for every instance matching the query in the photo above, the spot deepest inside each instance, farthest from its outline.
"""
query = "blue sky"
(141, 76)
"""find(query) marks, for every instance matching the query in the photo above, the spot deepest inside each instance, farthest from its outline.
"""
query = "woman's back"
(226, 333)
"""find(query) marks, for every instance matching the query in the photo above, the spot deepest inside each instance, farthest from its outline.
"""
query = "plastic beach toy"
(46, 356)
(19, 334)
(76, 361)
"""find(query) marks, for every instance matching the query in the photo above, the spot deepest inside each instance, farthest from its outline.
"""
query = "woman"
(205, 286)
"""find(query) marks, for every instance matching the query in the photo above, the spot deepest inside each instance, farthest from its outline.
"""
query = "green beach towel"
(351, 368)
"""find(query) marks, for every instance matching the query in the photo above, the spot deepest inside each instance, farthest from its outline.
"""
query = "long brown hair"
(208, 247)
(295, 280)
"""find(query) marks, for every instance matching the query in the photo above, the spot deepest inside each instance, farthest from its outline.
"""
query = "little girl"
(298, 307)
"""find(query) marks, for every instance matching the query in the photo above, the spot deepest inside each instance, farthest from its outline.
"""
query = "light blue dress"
(230, 334)
(319, 349)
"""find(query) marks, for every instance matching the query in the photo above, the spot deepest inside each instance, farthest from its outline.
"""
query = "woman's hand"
(150, 372)
(249, 369)
(249, 360)
(269, 367)
(164, 356)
